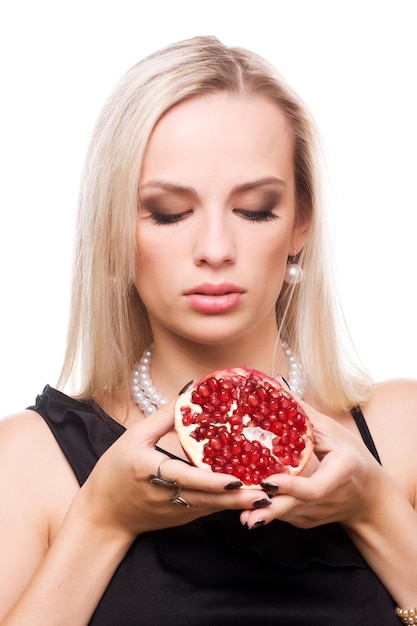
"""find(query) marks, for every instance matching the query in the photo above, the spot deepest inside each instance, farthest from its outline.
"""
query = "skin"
(53, 534)
(216, 172)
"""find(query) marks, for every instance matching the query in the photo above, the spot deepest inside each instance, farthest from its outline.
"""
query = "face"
(216, 219)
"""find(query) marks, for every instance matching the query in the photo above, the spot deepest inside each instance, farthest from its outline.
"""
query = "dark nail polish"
(234, 485)
(281, 379)
(187, 386)
(258, 524)
(270, 487)
(258, 504)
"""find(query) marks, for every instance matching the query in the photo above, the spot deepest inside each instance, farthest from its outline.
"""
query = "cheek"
(154, 260)
(272, 252)
(272, 261)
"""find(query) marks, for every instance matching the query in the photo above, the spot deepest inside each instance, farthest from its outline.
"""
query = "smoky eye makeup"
(259, 209)
(161, 209)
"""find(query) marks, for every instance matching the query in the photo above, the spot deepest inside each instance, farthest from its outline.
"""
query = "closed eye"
(264, 215)
(162, 219)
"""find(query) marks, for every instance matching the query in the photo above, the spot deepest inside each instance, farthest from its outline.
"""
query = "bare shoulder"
(29, 453)
(392, 400)
(391, 414)
(36, 481)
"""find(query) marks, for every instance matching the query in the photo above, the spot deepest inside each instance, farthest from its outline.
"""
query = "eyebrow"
(181, 189)
(260, 182)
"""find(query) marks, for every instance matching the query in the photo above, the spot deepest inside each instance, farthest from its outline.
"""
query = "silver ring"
(157, 479)
(177, 499)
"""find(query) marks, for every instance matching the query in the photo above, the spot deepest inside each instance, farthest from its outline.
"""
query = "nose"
(215, 243)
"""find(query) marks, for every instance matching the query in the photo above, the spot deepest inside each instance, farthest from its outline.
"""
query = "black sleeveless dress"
(214, 571)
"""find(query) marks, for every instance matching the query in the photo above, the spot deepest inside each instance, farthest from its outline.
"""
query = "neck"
(176, 361)
(150, 395)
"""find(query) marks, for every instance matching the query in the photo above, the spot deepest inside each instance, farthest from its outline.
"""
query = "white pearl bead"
(150, 400)
(293, 273)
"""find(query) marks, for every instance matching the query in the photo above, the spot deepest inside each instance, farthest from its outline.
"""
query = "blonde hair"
(108, 323)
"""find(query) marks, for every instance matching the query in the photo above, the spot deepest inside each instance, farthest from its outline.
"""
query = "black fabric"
(365, 432)
(214, 571)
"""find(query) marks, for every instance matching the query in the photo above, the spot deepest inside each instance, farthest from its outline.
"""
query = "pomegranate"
(242, 422)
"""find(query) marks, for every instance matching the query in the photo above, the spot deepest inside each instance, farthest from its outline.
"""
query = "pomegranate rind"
(241, 422)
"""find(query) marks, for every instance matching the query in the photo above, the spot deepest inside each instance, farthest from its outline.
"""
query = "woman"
(198, 209)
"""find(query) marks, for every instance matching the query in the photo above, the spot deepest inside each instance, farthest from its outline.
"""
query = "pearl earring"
(293, 273)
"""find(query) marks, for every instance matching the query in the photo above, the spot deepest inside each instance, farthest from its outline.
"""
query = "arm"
(60, 556)
(37, 486)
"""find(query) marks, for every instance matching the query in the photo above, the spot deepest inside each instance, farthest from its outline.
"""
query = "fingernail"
(187, 386)
(270, 487)
(234, 485)
(281, 379)
(258, 504)
(257, 524)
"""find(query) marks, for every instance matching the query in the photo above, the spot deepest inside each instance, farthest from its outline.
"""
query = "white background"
(354, 63)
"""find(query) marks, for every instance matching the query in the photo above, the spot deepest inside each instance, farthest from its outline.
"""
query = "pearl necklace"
(150, 400)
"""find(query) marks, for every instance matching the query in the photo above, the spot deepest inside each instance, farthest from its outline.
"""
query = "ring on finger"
(177, 499)
(158, 479)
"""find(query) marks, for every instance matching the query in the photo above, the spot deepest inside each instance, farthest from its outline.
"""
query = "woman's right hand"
(120, 496)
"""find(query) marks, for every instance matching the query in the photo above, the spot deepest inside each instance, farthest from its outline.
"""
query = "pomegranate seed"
(211, 384)
(299, 444)
(254, 457)
(235, 419)
(244, 459)
(224, 437)
(285, 403)
(247, 446)
(264, 409)
(276, 428)
(214, 399)
(262, 394)
(215, 444)
(239, 471)
(236, 449)
(252, 400)
(292, 412)
(274, 404)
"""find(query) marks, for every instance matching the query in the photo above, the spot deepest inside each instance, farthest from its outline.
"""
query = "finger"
(151, 429)
(188, 476)
(256, 517)
(226, 500)
(331, 473)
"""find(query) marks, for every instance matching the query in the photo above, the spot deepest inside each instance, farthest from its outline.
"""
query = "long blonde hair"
(108, 323)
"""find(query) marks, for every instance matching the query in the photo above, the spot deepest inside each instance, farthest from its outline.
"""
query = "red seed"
(215, 444)
(252, 400)
(211, 384)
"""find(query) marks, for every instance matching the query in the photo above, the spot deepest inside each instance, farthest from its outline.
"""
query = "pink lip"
(211, 298)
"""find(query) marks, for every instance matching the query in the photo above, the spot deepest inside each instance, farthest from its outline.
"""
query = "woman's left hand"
(343, 487)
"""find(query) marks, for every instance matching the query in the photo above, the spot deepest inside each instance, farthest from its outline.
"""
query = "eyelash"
(264, 215)
(163, 219)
